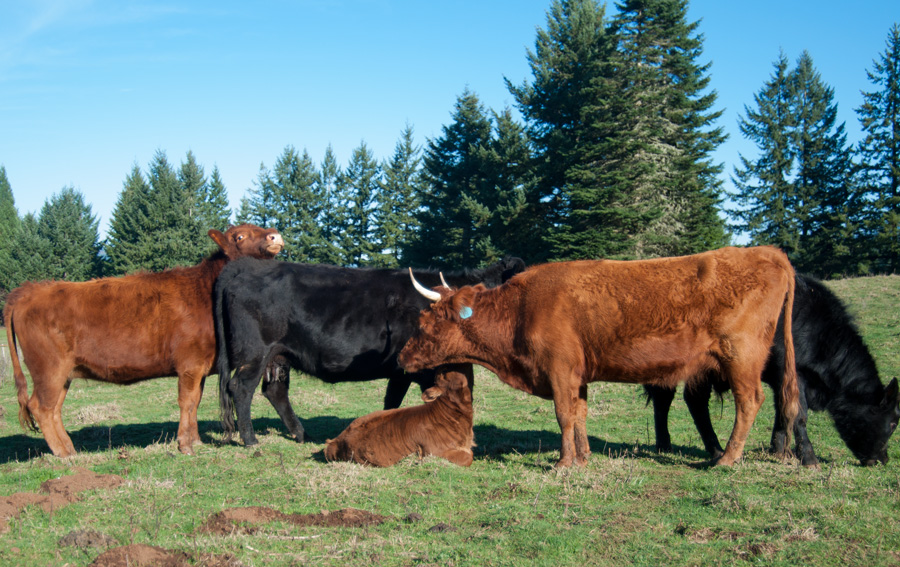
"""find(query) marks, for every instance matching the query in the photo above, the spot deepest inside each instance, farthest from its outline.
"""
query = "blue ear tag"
(465, 312)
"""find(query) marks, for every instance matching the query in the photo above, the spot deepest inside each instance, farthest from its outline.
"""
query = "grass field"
(629, 506)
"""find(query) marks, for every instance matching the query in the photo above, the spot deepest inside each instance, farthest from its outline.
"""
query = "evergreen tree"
(298, 206)
(30, 256)
(68, 226)
(259, 207)
(570, 111)
(796, 194)
(823, 186)
(763, 185)
(514, 228)
(356, 201)
(331, 219)
(156, 221)
(879, 154)
(454, 217)
(665, 120)
(126, 243)
(171, 234)
(398, 200)
(9, 226)
(214, 209)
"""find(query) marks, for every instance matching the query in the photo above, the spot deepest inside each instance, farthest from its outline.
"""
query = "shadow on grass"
(505, 444)
(492, 442)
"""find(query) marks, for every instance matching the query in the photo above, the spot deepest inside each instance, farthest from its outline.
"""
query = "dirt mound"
(140, 555)
(236, 520)
(55, 493)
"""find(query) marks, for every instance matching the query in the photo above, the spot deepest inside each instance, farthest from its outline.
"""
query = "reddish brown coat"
(441, 427)
(555, 328)
(122, 330)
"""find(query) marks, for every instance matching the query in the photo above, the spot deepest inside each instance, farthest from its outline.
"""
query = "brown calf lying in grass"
(442, 427)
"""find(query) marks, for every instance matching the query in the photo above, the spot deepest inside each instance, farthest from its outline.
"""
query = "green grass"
(629, 506)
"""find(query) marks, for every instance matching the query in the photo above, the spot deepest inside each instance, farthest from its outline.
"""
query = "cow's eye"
(239, 237)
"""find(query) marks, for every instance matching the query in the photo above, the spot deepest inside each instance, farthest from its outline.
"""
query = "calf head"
(440, 338)
(868, 431)
(248, 240)
(452, 386)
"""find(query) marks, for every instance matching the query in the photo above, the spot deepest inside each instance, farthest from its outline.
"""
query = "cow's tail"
(790, 393)
(26, 420)
(223, 365)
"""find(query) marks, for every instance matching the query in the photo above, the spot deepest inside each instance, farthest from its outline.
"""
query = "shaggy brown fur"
(442, 427)
(122, 330)
(555, 328)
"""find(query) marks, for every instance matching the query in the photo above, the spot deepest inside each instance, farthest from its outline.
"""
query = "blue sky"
(88, 88)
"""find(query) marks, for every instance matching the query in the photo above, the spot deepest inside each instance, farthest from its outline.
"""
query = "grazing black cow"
(835, 373)
(337, 324)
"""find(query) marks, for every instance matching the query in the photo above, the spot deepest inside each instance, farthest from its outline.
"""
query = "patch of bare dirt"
(242, 520)
(55, 493)
(140, 555)
(87, 538)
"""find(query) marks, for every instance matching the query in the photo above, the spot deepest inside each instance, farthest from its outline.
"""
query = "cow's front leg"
(190, 390)
(571, 413)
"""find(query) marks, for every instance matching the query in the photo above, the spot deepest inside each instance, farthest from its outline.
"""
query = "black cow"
(337, 324)
(835, 373)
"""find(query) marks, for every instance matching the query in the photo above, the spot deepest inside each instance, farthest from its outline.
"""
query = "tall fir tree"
(259, 207)
(797, 193)
(666, 120)
(215, 212)
(331, 221)
(398, 199)
(454, 217)
(570, 112)
(126, 245)
(357, 192)
(764, 186)
(30, 257)
(823, 186)
(70, 228)
(514, 227)
(299, 203)
(172, 233)
(9, 226)
(879, 156)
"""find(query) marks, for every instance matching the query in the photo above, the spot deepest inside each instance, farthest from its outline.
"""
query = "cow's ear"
(463, 301)
(219, 238)
(891, 395)
(432, 394)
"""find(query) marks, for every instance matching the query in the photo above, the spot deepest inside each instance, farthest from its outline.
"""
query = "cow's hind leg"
(241, 388)
(696, 397)
(276, 384)
(748, 398)
(804, 447)
(45, 406)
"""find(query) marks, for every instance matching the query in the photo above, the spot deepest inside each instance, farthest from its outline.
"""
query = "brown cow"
(441, 427)
(122, 330)
(555, 328)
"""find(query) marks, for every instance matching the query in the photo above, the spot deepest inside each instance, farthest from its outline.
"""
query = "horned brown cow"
(441, 427)
(122, 330)
(556, 327)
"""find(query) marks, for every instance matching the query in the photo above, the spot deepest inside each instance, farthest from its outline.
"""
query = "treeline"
(612, 159)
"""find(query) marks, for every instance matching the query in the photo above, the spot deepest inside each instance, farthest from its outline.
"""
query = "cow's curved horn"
(430, 294)
(443, 281)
